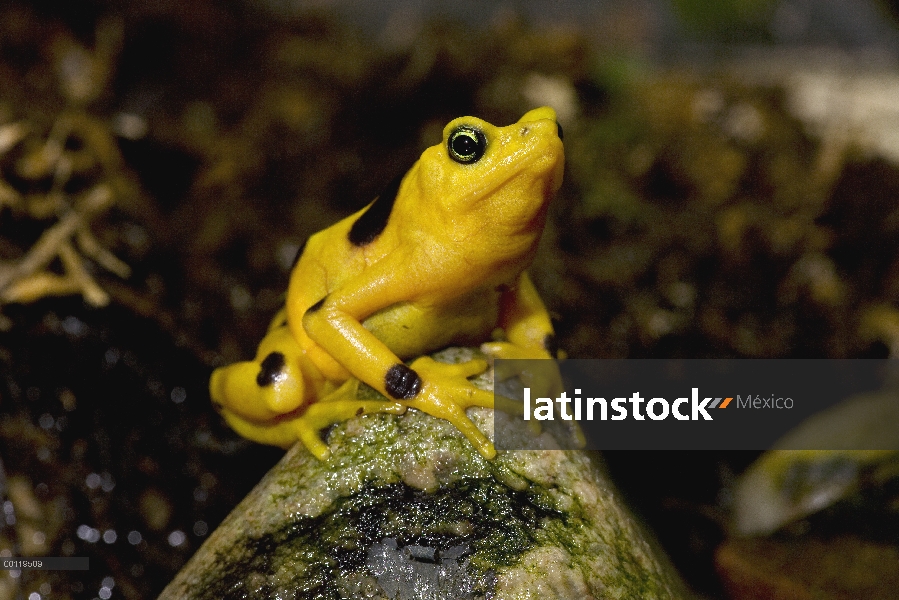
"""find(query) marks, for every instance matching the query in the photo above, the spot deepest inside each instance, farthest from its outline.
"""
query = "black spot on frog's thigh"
(372, 222)
(270, 368)
(401, 382)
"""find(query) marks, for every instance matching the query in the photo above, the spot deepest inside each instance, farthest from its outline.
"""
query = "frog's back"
(343, 251)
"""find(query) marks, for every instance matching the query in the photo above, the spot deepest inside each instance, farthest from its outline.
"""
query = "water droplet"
(178, 395)
(176, 538)
(93, 481)
(201, 528)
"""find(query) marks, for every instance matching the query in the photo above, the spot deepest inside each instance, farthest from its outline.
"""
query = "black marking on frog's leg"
(372, 222)
(317, 306)
(299, 253)
(559, 128)
(270, 369)
(401, 382)
(359, 411)
(551, 345)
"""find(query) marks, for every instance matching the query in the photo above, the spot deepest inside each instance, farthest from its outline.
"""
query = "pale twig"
(11, 134)
(43, 161)
(75, 280)
(8, 195)
(37, 286)
(74, 269)
(48, 245)
(91, 248)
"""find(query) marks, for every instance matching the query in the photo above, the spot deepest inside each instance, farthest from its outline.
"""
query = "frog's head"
(503, 176)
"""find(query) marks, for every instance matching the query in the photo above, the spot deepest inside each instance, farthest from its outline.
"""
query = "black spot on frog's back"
(372, 222)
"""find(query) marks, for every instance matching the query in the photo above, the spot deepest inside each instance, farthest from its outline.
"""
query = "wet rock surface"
(406, 508)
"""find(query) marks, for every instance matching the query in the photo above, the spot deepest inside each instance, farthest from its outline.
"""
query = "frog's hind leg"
(340, 405)
(266, 387)
(259, 397)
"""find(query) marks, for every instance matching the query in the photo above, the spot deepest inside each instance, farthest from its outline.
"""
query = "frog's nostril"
(524, 130)
(559, 127)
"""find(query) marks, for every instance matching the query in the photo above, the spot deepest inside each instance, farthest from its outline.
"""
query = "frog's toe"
(311, 438)
(470, 368)
(446, 393)
(454, 411)
(335, 410)
(476, 397)
(512, 352)
(477, 439)
(507, 405)
(464, 370)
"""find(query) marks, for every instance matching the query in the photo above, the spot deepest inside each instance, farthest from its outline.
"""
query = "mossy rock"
(405, 508)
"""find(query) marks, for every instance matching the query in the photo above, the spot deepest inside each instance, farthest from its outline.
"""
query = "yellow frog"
(437, 259)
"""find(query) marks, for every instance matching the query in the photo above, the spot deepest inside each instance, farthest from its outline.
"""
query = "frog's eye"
(466, 145)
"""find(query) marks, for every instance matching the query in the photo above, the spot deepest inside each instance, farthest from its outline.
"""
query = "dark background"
(230, 131)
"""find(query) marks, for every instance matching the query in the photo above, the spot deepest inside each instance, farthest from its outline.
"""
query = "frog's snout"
(544, 113)
(538, 114)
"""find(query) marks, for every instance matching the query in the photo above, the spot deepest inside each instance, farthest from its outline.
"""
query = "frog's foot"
(272, 433)
(336, 407)
(446, 393)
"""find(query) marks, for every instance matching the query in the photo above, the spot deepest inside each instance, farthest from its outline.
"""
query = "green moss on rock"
(478, 519)
(406, 508)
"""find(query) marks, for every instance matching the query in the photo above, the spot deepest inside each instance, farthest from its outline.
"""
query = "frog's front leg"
(526, 322)
(529, 332)
(441, 390)
(530, 335)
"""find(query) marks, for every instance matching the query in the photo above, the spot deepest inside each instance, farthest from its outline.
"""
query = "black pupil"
(465, 143)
